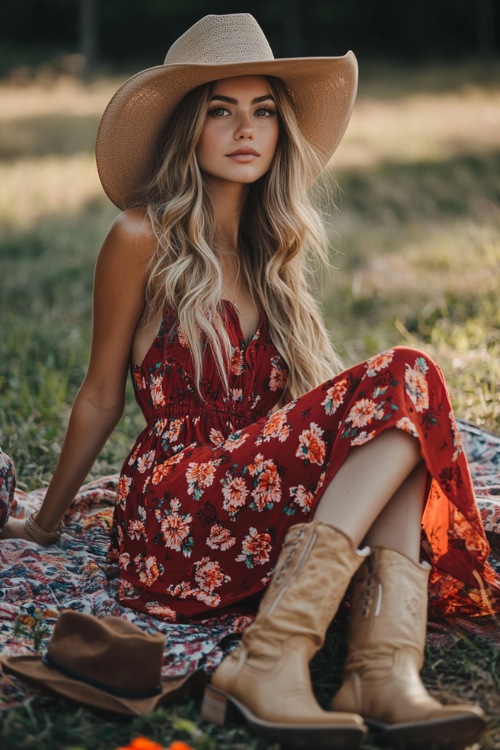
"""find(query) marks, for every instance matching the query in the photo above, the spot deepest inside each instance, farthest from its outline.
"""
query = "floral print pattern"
(38, 582)
(215, 480)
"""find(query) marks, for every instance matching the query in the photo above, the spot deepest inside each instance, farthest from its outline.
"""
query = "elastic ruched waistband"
(212, 415)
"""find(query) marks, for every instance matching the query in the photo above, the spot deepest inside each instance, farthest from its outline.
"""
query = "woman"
(200, 287)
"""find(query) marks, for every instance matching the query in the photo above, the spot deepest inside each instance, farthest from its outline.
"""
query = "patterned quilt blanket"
(36, 583)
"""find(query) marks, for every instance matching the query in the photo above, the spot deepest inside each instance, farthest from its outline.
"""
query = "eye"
(265, 112)
(218, 111)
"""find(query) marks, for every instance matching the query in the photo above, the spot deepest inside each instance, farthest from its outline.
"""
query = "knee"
(403, 359)
(414, 369)
(424, 382)
(412, 357)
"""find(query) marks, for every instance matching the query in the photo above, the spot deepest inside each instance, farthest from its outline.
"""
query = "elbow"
(109, 405)
(111, 412)
(114, 413)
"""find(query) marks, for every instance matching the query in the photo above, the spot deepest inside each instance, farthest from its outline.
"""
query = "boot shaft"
(267, 677)
(386, 649)
(389, 603)
(313, 572)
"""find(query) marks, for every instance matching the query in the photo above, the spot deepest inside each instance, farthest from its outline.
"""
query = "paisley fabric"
(37, 583)
(216, 478)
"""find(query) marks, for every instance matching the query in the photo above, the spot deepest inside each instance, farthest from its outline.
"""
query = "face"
(241, 130)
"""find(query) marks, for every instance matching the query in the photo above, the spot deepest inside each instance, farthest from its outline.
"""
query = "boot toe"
(450, 731)
(315, 728)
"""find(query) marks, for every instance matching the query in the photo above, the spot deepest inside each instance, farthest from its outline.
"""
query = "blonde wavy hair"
(280, 231)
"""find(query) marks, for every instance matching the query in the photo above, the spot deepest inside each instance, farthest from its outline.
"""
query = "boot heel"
(215, 707)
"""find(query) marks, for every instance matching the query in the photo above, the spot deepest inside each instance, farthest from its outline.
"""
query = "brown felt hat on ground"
(323, 90)
(108, 664)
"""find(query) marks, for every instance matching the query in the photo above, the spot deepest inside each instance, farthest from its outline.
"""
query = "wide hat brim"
(323, 90)
(32, 669)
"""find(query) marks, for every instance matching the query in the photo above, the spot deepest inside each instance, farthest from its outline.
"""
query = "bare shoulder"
(135, 224)
(131, 236)
(125, 256)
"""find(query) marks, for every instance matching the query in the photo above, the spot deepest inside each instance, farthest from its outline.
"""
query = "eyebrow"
(230, 100)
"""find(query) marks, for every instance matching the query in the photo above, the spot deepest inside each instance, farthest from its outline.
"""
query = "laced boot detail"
(381, 680)
(266, 679)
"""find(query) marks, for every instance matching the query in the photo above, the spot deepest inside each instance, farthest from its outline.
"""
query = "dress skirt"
(215, 480)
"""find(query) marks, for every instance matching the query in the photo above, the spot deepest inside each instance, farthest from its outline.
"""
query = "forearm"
(89, 427)
(120, 281)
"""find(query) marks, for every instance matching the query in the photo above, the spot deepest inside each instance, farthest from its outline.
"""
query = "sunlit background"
(412, 203)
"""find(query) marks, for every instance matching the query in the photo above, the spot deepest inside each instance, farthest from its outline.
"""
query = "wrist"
(45, 538)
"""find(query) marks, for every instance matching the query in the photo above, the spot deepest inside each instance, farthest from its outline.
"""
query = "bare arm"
(119, 291)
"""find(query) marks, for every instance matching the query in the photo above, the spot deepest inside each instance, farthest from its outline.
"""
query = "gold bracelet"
(45, 538)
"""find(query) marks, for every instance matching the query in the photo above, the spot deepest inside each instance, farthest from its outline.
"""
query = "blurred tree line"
(125, 32)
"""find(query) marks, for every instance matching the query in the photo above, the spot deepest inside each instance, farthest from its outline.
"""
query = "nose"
(244, 127)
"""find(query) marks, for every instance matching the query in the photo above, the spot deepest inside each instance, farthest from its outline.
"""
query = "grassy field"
(415, 259)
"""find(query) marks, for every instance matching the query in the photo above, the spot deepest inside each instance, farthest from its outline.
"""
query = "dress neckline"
(236, 317)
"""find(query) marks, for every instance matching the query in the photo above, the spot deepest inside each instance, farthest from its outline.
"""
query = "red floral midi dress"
(211, 486)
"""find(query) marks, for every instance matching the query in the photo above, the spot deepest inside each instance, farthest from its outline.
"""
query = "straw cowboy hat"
(108, 664)
(323, 90)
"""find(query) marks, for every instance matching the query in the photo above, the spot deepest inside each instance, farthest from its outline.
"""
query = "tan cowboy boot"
(386, 652)
(266, 679)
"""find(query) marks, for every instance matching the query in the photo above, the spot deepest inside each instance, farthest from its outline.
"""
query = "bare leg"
(399, 524)
(373, 474)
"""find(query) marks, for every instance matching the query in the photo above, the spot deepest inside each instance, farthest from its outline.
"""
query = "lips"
(244, 152)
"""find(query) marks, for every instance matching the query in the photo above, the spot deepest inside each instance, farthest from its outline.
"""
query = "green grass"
(468, 671)
(416, 250)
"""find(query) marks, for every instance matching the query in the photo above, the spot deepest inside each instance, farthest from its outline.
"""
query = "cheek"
(207, 142)
(202, 147)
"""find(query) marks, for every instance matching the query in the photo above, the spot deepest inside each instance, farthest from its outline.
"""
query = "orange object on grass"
(179, 745)
(141, 743)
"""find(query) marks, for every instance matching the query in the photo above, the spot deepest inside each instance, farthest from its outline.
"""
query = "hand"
(15, 529)
(29, 530)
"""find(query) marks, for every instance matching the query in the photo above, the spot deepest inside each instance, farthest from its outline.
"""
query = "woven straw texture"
(322, 88)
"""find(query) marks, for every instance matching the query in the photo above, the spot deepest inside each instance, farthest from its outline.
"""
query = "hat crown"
(221, 40)
(109, 653)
